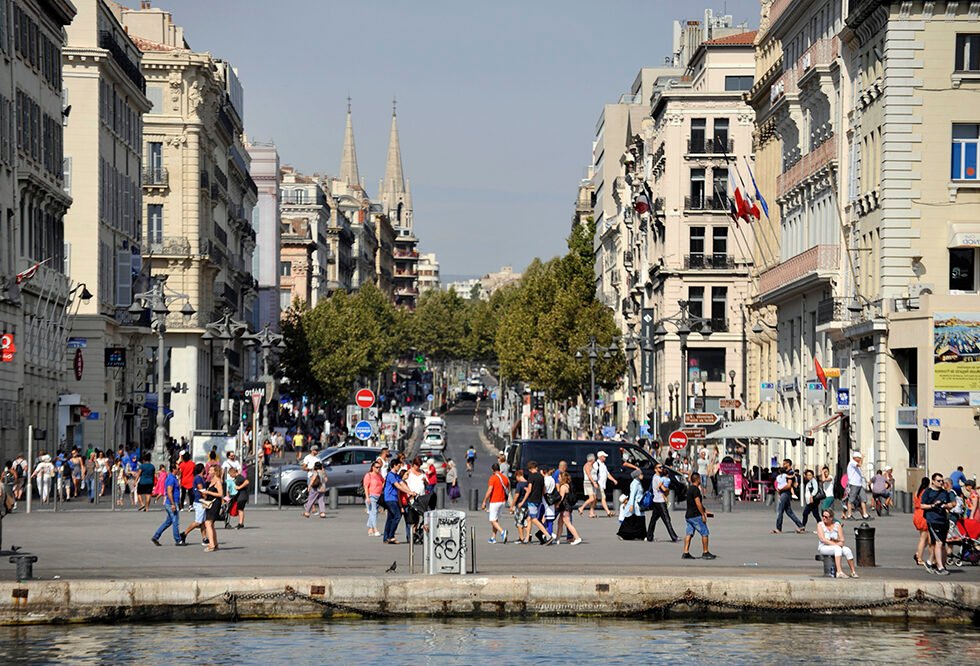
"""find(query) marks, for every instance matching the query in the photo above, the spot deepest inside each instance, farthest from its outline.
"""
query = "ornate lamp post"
(225, 329)
(686, 323)
(592, 351)
(267, 341)
(731, 386)
(158, 302)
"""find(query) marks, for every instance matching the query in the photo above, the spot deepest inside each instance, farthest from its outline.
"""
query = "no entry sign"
(677, 440)
(364, 398)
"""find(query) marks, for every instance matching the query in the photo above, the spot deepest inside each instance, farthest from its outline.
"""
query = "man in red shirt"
(498, 489)
(186, 473)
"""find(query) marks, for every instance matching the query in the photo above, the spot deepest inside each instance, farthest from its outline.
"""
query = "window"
(719, 189)
(66, 174)
(719, 308)
(967, 53)
(696, 143)
(285, 268)
(962, 269)
(696, 244)
(719, 242)
(696, 201)
(706, 359)
(695, 301)
(285, 299)
(737, 83)
(154, 216)
(721, 135)
(966, 138)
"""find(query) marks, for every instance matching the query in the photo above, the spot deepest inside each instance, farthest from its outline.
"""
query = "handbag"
(207, 503)
(454, 492)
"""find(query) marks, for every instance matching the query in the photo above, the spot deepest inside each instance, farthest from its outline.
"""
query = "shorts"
(520, 516)
(241, 499)
(533, 510)
(198, 512)
(589, 490)
(938, 531)
(853, 495)
(144, 488)
(495, 508)
(696, 524)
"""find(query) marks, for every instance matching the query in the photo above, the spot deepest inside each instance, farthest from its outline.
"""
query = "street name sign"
(701, 418)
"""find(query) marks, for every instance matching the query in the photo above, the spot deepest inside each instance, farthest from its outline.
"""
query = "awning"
(963, 235)
(756, 428)
(825, 424)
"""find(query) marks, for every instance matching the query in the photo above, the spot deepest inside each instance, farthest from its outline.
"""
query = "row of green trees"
(531, 329)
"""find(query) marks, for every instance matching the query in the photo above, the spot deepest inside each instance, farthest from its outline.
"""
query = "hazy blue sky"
(497, 101)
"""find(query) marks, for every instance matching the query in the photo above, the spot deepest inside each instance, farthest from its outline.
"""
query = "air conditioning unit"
(918, 288)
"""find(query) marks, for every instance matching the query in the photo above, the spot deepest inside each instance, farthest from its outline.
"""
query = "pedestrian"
(21, 470)
(415, 480)
(972, 501)
(452, 481)
(171, 495)
(144, 484)
(810, 493)
(310, 461)
(43, 473)
(470, 460)
(590, 485)
(880, 492)
(120, 477)
(827, 485)
(936, 503)
(393, 486)
(197, 505)
(632, 524)
(266, 452)
(919, 522)
(830, 541)
(298, 441)
(77, 467)
(102, 473)
(504, 466)
(957, 479)
(660, 488)
(602, 477)
(855, 487)
(431, 478)
(564, 509)
(520, 513)
(498, 488)
(186, 473)
(231, 461)
(237, 483)
(373, 484)
(532, 500)
(714, 459)
(697, 520)
(785, 485)
(213, 495)
(316, 489)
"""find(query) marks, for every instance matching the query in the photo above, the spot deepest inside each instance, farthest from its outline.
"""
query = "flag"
(732, 205)
(752, 208)
(24, 276)
(758, 195)
(821, 375)
(641, 204)
(741, 205)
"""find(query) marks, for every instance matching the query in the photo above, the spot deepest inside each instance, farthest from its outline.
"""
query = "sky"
(497, 101)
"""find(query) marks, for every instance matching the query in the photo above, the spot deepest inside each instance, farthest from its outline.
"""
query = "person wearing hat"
(881, 490)
(602, 476)
(855, 487)
(590, 485)
(310, 460)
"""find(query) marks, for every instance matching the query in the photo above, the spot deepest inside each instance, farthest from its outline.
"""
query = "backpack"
(646, 502)
(571, 499)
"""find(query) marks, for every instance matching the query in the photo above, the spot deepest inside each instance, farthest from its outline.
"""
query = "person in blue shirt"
(199, 513)
(144, 484)
(958, 478)
(393, 485)
(171, 492)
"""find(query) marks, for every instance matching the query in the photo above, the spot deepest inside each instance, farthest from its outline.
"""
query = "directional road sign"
(730, 403)
(677, 440)
(694, 433)
(700, 418)
(364, 398)
(363, 430)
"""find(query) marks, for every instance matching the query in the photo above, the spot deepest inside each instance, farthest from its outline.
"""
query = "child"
(520, 515)
(158, 484)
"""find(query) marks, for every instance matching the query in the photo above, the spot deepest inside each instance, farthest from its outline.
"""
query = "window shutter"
(124, 278)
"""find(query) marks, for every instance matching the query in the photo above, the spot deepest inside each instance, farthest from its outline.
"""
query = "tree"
(437, 327)
(295, 357)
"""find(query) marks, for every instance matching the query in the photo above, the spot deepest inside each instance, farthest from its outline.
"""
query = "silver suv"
(345, 467)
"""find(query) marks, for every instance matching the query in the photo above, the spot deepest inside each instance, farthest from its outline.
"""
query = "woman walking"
(316, 488)
(43, 472)
(564, 509)
(452, 481)
(213, 495)
(373, 486)
(919, 522)
(158, 484)
(827, 485)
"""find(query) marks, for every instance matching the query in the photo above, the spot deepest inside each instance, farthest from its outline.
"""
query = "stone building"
(104, 226)
(428, 268)
(305, 253)
(394, 193)
(264, 170)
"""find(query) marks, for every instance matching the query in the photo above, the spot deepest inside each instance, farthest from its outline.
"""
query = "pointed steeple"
(348, 160)
(394, 181)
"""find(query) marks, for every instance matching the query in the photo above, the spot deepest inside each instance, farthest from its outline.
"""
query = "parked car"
(548, 452)
(433, 441)
(345, 467)
(438, 459)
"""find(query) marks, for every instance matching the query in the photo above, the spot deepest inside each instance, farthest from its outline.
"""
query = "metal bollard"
(280, 487)
(908, 504)
(25, 566)
(726, 501)
(441, 496)
(864, 545)
(334, 496)
(829, 565)
(474, 499)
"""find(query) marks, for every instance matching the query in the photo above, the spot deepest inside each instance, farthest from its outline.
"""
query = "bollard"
(726, 501)
(474, 499)
(334, 495)
(617, 499)
(441, 496)
(25, 566)
(472, 549)
(864, 544)
(908, 503)
(829, 565)
(280, 487)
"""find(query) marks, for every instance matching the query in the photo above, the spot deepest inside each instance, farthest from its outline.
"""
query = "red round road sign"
(364, 398)
(677, 440)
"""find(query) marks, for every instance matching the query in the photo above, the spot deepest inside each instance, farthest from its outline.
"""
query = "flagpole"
(773, 256)
(732, 161)
(765, 240)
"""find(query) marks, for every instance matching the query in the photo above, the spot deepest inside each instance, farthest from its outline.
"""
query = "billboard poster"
(956, 359)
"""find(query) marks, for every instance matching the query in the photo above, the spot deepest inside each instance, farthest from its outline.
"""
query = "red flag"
(821, 376)
(741, 205)
(641, 203)
(24, 276)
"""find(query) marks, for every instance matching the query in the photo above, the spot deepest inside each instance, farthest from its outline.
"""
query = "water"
(428, 641)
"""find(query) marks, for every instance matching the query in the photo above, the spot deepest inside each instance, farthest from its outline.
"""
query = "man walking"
(171, 495)
(697, 520)
(498, 488)
(602, 476)
(855, 487)
(785, 484)
(936, 502)
(533, 498)
(660, 487)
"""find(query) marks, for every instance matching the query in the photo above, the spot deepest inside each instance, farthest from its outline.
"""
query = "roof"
(741, 39)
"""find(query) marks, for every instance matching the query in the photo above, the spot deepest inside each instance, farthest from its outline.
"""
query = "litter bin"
(445, 542)
(864, 543)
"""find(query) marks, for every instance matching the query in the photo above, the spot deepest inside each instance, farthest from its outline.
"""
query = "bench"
(829, 565)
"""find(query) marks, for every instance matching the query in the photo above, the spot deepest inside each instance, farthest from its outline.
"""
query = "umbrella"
(756, 428)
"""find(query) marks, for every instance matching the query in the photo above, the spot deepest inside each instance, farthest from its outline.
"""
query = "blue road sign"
(430, 397)
(609, 431)
(363, 430)
(843, 398)
(930, 423)
(493, 396)
(381, 398)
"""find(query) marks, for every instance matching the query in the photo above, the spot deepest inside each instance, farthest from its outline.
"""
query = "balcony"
(406, 254)
(819, 263)
(717, 262)
(169, 246)
(131, 69)
(831, 310)
(714, 203)
(710, 146)
(405, 273)
(822, 157)
(406, 291)
(820, 54)
(155, 177)
(221, 178)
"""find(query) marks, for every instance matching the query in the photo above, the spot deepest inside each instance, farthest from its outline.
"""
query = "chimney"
(145, 4)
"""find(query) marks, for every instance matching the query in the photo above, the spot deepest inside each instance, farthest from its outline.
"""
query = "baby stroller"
(414, 512)
(963, 542)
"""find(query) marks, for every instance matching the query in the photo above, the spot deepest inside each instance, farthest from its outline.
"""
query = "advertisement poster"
(956, 360)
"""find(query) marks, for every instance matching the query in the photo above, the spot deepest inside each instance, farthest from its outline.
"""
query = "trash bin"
(445, 542)
(864, 544)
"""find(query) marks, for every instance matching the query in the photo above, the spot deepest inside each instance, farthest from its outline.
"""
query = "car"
(433, 442)
(438, 459)
(434, 430)
(345, 467)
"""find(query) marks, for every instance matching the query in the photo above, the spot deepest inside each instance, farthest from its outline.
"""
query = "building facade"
(305, 255)
(394, 193)
(264, 170)
(428, 268)
(104, 226)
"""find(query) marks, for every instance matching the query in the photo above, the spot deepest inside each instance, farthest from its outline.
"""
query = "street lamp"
(225, 329)
(731, 376)
(158, 302)
(686, 323)
(631, 345)
(266, 341)
(592, 351)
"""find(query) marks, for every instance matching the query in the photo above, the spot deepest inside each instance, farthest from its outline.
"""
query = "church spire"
(348, 160)
(394, 180)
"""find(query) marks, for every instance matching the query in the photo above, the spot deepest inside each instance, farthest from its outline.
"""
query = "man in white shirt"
(785, 484)
(602, 475)
(855, 486)
(310, 460)
(231, 461)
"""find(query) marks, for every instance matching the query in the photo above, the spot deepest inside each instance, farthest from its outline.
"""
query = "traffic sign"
(730, 403)
(363, 430)
(493, 396)
(700, 418)
(677, 440)
(430, 397)
(694, 433)
(364, 398)
(843, 399)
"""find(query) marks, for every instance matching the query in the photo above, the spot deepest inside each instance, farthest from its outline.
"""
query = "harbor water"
(428, 641)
